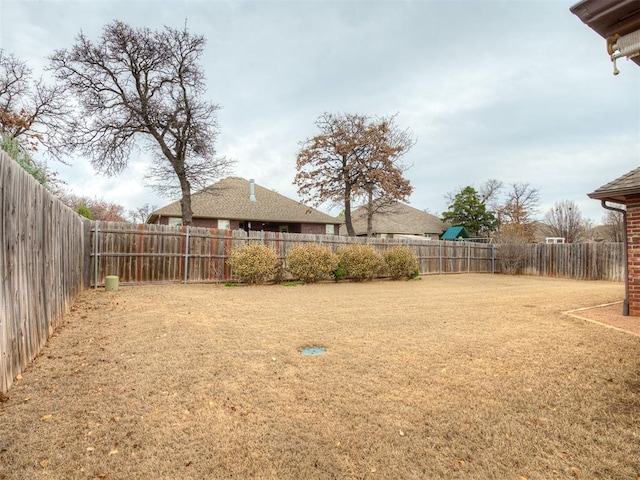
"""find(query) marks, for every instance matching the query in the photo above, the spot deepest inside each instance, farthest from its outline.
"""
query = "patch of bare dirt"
(448, 377)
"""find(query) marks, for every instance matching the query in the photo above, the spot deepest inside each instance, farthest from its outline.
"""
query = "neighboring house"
(234, 203)
(625, 190)
(455, 233)
(397, 220)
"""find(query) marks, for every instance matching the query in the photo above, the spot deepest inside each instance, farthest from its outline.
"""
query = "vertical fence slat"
(42, 266)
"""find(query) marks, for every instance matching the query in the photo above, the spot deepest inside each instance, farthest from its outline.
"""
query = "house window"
(175, 222)
(330, 230)
(224, 224)
(284, 228)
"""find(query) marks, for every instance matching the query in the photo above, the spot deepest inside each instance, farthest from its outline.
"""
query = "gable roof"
(453, 233)
(229, 199)
(397, 218)
(619, 189)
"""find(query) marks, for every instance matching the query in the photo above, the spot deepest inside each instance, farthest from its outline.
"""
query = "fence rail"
(43, 255)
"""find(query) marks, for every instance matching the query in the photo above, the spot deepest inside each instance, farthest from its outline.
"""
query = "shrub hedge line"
(310, 263)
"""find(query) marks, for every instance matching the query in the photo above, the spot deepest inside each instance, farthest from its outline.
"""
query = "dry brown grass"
(448, 377)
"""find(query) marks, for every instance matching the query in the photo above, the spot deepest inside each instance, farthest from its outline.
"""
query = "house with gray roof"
(236, 203)
(397, 220)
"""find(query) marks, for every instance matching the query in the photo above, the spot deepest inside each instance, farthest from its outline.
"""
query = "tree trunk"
(347, 211)
(370, 214)
(185, 201)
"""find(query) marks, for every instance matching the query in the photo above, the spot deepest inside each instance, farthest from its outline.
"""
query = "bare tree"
(30, 110)
(138, 87)
(613, 223)
(353, 157)
(141, 214)
(489, 193)
(517, 211)
(565, 220)
(512, 250)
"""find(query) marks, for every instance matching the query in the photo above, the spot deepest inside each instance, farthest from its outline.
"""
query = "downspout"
(625, 304)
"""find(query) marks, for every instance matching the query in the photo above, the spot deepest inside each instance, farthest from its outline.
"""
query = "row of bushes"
(256, 263)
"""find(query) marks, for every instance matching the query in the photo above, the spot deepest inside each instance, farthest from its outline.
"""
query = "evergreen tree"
(469, 211)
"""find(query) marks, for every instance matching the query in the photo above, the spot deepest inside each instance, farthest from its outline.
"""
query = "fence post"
(95, 255)
(186, 255)
(440, 256)
(493, 258)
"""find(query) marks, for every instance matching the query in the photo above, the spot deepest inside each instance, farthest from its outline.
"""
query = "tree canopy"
(565, 220)
(354, 156)
(468, 210)
(28, 111)
(137, 87)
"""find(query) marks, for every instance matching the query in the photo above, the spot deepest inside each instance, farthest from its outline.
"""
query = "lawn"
(447, 377)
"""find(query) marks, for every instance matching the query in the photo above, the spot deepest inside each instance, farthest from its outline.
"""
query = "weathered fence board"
(43, 252)
(581, 261)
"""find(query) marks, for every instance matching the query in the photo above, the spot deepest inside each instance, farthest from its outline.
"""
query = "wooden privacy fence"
(581, 261)
(159, 253)
(44, 251)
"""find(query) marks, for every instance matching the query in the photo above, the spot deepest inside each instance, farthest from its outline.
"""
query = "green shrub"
(360, 262)
(311, 262)
(84, 211)
(400, 262)
(339, 272)
(254, 263)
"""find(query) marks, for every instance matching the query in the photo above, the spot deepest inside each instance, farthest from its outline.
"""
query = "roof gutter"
(625, 304)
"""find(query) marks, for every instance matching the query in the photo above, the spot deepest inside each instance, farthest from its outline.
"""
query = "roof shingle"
(229, 199)
(617, 190)
(398, 218)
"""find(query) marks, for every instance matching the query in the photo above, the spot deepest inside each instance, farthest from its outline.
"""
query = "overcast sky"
(519, 91)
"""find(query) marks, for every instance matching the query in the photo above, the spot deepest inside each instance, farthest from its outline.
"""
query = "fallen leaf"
(401, 433)
(575, 471)
(103, 475)
(374, 469)
(26, 399)
(522, 478)
(90, 449)
(46, 417)
(113, 452)
(44, 463)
